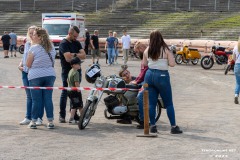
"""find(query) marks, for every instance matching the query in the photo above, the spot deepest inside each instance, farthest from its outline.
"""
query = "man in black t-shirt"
(95, 47)
(68, 49)
(6, 43)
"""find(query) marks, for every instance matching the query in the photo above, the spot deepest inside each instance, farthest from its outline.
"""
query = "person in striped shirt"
(40, 61)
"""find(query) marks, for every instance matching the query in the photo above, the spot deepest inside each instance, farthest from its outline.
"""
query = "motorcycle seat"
(193, 49)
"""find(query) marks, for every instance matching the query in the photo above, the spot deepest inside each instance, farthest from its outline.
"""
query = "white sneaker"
(72, 121)
(39, 122)
(25, 121)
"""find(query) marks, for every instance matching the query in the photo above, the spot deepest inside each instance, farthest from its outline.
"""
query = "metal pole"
(150, 5)
(112, 4)
(215, 5)
(20, 3)
(72, 4)
(137, 4)
(175, 5)
(228, 5)
(96, 5)
(34, 4)
(189, 7)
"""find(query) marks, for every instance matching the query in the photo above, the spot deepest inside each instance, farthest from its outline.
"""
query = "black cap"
(75, 60)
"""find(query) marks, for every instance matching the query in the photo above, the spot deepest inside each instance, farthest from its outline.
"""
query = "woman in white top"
(40, 62)
(236, 58)
(24, 69)
(158, 57)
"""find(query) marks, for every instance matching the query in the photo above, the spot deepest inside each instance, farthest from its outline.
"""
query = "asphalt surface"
(204, 108)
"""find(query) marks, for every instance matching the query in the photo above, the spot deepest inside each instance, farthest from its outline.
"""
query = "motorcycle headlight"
(99, 83)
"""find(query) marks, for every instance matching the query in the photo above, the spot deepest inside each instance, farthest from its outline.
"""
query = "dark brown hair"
(156, 44)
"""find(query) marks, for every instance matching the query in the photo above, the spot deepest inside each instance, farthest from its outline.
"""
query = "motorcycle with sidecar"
(120, 102)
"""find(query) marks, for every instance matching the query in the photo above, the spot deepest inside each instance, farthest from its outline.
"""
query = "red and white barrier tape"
(70, 88)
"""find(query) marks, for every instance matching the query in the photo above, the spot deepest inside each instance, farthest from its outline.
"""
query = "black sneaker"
(76, 117)
(153, 129)
(236, 100)
(62, 120)
(176, 130)
(141, 125)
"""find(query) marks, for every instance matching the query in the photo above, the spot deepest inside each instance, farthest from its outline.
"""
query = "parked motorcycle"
(217, 53)
(230, 65)
(173, 49)
(119, 103)
(21, 47)
(186, 55)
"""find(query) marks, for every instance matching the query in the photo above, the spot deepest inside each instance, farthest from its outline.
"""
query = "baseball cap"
(75, 60)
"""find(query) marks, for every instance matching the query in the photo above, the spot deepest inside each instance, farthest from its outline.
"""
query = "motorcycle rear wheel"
(86, 115)
(179, 59)
(207, 62)
(195, 61)
(21, 49)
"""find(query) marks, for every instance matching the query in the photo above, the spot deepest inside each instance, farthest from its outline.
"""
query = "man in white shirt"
(126, 43)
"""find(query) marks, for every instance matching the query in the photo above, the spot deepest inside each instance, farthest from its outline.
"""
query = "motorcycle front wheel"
(227, 69)
(207, 62)
(195, 61)
(159, 110)
(179, 59)
(86, 115)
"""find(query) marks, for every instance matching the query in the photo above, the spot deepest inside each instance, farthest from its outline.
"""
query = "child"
(74, 95)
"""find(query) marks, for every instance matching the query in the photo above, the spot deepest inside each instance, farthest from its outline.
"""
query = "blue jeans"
(64, 94)
(111, 54)
(116, 54)
(159, 83)
(42, 96)
(237, 75)
(29, 99)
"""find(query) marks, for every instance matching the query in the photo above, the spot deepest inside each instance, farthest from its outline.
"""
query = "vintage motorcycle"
(230, 65)
(217, 53)
(186, 55)
(119, 102)
(21, 47)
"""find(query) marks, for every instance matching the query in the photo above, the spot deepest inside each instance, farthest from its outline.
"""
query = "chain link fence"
(120, 5)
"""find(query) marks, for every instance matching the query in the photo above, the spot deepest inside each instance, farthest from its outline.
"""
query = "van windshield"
(57, 29)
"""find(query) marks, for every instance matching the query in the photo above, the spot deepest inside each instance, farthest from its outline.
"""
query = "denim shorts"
(76, 99)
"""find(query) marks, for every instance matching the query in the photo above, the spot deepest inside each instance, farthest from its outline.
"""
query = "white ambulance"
(57, 25)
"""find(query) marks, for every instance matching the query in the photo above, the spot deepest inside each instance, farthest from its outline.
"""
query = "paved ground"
(204, 110)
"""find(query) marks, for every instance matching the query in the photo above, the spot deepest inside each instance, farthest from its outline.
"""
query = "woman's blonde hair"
(28, 32)
(45, 40)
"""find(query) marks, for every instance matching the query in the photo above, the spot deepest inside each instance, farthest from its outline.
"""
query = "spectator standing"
(236, 58)
(87, 41)
(74, 96)
(24, 69)
(158, 57)
(139, 48)
(68, 49)
(126, 44)
(116, 46)
(110, 47)
(40, 62)
(13, 44)
(6, 43)
(95, 46)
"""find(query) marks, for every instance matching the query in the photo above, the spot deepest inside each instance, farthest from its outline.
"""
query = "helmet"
(92, 73)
